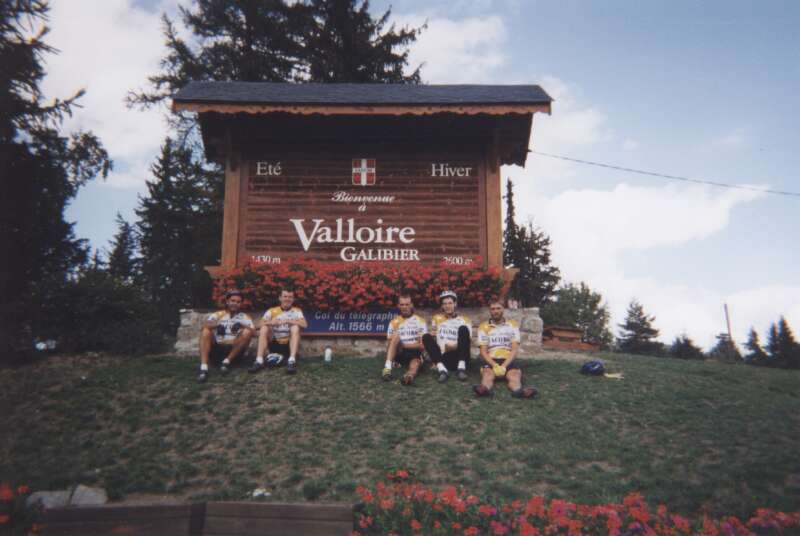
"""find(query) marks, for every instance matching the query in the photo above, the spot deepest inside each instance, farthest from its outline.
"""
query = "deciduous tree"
(578, 306)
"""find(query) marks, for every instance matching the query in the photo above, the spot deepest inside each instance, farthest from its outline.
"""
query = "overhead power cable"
(665, 176)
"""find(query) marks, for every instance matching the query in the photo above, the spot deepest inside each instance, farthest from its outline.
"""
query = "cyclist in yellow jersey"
(404, 345)
(449, 340)
(227, 332)
(280, 334)
(498, 340)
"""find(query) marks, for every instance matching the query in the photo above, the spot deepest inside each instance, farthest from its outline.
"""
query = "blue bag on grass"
(593, 368)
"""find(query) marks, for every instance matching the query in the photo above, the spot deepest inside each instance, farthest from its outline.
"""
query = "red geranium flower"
(487, 510)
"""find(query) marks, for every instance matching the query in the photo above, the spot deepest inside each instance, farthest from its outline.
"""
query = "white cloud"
(630, 144)
(592, 230)
(595, 230)
(468, 50)
(572, 123)
(760, 306)
(109, 50)
(672, 215)
(732, 139)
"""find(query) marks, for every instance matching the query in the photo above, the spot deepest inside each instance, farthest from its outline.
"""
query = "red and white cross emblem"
(363, 171)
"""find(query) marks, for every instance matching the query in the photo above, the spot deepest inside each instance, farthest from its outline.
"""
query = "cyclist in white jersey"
(404, 345)
(498, 340)
(280, 334)
(449, 340)
(225, 332)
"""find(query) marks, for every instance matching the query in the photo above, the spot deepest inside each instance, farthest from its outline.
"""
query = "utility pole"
(728, 321)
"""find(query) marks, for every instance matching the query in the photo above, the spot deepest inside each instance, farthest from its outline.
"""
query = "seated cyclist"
(280, 334)
(404, 345)
(227, 333)
(449, 340)
(498, 340)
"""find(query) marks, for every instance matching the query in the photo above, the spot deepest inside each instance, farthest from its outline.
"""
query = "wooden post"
(230, 222)
(728, 322)
(494, 216)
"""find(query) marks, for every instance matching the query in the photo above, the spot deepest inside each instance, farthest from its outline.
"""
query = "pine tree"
(684, 348)
(756, 354)
(511, 244)
(255, 41)
(345, 44)
(178, 233)
(773, 347)
(788, 349)
(230, 40)
(579, 307)
(42, 170)
(637, 335)
(122, 262)
(276, 41)
(537, 279)
(725, 350)
(96, 263)
(528, 250)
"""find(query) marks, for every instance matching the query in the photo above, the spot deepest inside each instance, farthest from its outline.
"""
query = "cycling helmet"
(234, 292)
(448, 294)
(593, 368)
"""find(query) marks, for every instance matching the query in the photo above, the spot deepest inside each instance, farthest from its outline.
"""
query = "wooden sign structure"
(363, 172)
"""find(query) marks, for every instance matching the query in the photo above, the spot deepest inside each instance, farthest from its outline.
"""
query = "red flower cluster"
(14, 514)
(411, 508)
(349, 286)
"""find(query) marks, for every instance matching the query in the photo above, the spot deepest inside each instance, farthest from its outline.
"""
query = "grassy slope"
(692, 435)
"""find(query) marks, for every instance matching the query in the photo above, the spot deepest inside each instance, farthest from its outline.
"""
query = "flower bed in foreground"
(401, 506)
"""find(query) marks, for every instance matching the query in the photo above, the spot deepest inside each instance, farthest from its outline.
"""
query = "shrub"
(348, 286)
(684, 348)
(98, 312)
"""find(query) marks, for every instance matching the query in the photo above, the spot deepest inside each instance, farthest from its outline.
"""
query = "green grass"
(691, 434)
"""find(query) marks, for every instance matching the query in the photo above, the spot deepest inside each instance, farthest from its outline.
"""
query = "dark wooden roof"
(360, 94)
(239, 113)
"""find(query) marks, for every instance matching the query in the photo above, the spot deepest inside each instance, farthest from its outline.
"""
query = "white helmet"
(448, 294)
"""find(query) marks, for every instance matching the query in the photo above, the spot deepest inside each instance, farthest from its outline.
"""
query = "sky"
(705, 90)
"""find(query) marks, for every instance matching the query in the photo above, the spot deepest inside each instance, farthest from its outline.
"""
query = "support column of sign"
(233, 198)
(494, 216)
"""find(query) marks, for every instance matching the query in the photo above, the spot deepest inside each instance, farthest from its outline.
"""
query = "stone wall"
(530, 328)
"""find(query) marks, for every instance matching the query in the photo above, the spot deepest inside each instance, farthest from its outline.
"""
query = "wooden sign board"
(363, 172)
(363, 203)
